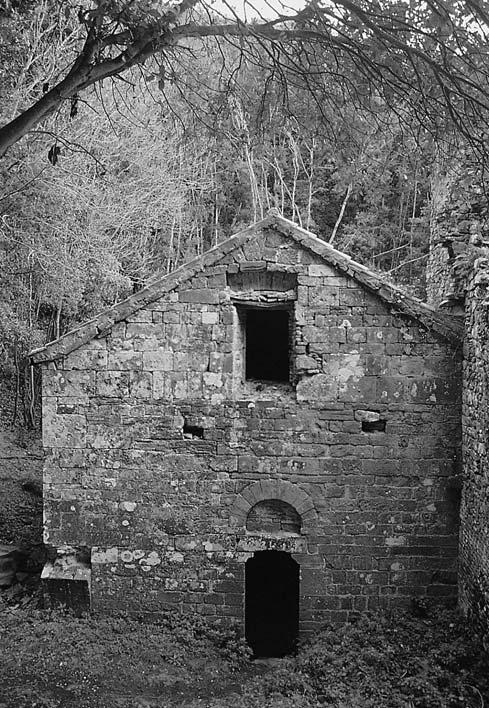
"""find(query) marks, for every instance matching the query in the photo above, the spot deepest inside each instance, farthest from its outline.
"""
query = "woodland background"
(363, 121)
(346, 136)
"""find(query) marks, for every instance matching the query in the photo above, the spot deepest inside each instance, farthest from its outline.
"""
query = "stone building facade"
(271, 434)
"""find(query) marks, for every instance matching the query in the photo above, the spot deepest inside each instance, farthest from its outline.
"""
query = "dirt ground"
(55, 660)
(427, 658)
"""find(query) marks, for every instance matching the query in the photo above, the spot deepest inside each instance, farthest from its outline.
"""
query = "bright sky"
(247, 9)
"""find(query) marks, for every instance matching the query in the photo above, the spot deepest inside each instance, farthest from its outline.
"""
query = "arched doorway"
(272, 603)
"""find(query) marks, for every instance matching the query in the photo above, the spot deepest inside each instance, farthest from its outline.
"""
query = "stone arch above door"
(273, 516)
(269, 490)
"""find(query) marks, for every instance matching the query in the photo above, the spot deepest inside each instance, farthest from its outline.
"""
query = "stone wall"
(458, 220)
(158, 448)
(474, 516)
(439, 280)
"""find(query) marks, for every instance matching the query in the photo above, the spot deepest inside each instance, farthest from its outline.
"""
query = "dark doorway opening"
(272, 603)
(267, 341)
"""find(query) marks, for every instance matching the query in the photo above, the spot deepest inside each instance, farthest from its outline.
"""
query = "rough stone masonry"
(474, 532)
(271, 395)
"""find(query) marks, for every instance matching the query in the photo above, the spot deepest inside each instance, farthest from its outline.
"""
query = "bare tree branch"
(443, 71)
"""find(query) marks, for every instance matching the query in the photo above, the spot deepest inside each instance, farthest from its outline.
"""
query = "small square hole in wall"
(267, 344)
(192, 431)
(373, 426)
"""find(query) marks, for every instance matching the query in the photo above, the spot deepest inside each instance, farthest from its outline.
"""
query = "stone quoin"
(271, 431)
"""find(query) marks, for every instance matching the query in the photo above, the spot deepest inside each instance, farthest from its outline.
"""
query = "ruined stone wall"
(443, 228)
(458, 219)
(474, 516)
(158, 451)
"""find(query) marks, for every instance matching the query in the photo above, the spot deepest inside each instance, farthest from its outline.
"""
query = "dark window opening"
(272, 603)
(193, 431)
(373, 426)
(267, 342)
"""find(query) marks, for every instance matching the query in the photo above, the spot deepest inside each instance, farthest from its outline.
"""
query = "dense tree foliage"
(334, 116)
(432, 56)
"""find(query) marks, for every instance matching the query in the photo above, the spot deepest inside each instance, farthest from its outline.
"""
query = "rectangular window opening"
(267, 344)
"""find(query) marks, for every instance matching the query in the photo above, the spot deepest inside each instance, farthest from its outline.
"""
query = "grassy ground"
(51, 660)
(430, 659)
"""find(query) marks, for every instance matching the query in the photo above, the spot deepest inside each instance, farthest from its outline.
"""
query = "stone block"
(214, 380)
(356, 335)
(368, 416)
(321, 270)
(141, 384)
(112, 384)
(124, 360)
(307, 362)
(64, 431)
(210, 318)
(88, 358)
(159, 360)
(65, 581)
(171, 317)
(318, 387)
(104, 555)
(73, 384)
(246, 266)
(352, 296)
(144, 315)
(319, 297)
(199, 296)
(102, 437)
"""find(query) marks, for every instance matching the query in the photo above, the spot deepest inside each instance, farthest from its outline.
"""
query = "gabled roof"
(448, 326)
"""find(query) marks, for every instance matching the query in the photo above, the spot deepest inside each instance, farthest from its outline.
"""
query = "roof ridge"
(162, 283)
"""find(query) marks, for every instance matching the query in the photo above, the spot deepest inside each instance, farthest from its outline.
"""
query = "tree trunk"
(342, 212)
(84, 73)
(20, 126)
